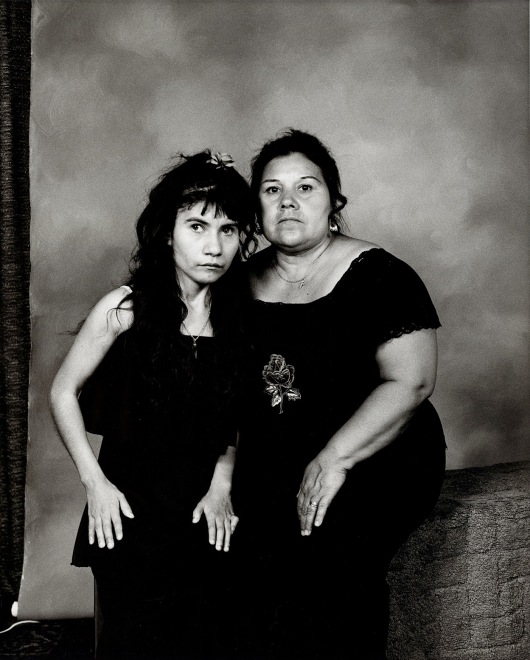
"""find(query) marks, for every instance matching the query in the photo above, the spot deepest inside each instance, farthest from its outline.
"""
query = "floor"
(71, 639)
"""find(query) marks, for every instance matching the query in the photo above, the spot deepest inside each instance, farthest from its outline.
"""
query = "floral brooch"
(221, 160)
(279, 377)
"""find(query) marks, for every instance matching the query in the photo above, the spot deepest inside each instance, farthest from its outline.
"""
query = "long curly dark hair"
(288, 142)
(156, 297)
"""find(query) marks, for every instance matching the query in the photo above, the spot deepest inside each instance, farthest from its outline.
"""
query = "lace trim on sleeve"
(395, 333)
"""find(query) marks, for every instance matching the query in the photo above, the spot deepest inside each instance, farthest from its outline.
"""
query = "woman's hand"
(219, 514)
(323, 478)
(105, 502)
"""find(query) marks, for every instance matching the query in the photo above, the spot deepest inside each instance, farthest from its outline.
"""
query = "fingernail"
(110, 546)
(119, 536)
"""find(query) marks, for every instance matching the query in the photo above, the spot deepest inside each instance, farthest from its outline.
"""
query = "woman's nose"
(213, 245)
(288, 201)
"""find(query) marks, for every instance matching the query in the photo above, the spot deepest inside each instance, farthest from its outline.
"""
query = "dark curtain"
(15, 68)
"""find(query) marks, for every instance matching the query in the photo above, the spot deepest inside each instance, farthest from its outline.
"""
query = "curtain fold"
(15, 70)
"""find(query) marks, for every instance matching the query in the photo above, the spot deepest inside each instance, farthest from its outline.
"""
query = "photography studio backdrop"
(425, 108)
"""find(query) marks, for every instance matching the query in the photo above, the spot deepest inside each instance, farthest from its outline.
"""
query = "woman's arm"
(100, 330)
(407, 367)
(217, 505)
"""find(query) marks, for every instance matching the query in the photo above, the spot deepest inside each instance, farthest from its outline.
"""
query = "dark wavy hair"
(288, 142)
(156, 295)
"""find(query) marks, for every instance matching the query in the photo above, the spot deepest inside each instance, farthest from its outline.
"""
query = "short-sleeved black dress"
(156, 586)
(324, 596)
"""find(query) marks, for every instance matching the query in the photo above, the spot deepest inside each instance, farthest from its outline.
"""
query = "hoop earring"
(333, 226)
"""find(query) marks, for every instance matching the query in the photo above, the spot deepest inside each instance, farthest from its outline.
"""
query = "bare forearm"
(379, 420)
(224, 469)
(69, 422)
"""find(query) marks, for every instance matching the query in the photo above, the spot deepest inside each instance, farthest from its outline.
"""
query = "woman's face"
(295, 203)
(203, 245)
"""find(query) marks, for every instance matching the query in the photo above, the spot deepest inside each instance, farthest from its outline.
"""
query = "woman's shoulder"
(353, 248)
(115, 309)
(345, 252)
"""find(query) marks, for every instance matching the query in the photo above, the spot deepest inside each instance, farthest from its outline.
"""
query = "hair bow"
(221, 160)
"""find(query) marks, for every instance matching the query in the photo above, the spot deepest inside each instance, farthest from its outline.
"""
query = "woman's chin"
(289, 236)
(209, 276)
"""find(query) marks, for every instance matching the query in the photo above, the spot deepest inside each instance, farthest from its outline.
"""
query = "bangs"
(223, 200)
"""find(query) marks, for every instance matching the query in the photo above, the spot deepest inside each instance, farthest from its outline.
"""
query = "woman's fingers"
(116, 523)
(197, 512)
(220, 520)
(105, 523)
(221, 526)
(321, 512)
(91, 530)
(212, 529)
(316, 494)
(307, 508)
(220, 533)
(228, 533)
(100, 535)
(107, 531)
(310, 508)
(315, 512)
(124, 506)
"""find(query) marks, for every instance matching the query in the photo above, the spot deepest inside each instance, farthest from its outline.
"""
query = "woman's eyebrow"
(307, 176)
(198, 218)
(310, 176)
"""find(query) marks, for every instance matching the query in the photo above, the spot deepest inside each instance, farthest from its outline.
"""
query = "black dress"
(159, 586)
(325, 596)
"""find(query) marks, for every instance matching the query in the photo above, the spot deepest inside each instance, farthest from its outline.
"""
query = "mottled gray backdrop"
(425, 107)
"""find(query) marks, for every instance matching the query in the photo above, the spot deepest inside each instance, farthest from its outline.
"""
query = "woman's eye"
(306, 187)
(230, 230)
(271, 190)
(196, 227)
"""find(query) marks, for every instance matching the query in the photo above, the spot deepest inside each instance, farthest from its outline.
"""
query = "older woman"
(341, 455)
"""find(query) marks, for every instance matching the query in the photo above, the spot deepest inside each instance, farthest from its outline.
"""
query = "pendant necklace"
(194, 338)
(301, 282)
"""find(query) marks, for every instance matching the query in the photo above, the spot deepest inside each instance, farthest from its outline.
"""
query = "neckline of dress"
(360, 257)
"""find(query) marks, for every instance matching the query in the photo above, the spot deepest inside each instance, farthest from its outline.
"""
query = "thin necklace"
(303, 279)
(195, 337)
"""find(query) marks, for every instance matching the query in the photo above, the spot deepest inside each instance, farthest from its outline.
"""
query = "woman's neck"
(295, 263)
(197, 299)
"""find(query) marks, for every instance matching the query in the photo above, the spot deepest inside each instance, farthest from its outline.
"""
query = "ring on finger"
(313, 505)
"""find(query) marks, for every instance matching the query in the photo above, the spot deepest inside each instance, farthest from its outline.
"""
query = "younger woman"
(157, 364)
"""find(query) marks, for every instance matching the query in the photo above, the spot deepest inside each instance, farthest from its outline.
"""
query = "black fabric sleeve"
(402, 302)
